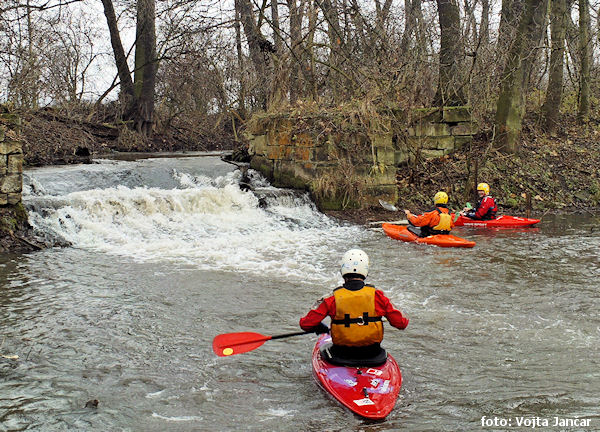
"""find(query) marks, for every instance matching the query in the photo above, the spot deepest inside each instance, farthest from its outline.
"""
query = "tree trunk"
(277, 37)
(145, 66)
(126, 83)
(484, 32)
(584, 53)
(260, 49)
(551, 107)
(335, 42)
(509, 19)
(296, 51)
(449, 91)
(242, 72)
(510, 106)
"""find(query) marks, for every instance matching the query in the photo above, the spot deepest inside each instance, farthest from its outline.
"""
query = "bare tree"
(583, 107)
(450, 89)
(551, 107)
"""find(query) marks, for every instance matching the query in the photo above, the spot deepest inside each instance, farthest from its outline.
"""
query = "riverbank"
(551, 174)
(51, 138)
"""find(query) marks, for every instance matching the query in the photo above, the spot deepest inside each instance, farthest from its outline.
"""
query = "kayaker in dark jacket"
(486, 208)
(356, 310)
(436, 221)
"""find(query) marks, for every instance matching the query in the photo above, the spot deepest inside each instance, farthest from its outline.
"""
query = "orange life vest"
(355, 322)
(445, 223)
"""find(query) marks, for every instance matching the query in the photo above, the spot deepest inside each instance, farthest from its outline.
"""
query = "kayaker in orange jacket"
(436, 221)
(356, 310)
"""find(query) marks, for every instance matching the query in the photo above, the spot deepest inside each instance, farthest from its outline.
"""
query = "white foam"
(208, 223)
(177, 418)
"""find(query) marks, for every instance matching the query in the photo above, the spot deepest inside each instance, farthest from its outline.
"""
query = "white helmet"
(355, 261)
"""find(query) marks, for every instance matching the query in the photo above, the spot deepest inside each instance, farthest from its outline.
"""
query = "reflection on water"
(167, 253)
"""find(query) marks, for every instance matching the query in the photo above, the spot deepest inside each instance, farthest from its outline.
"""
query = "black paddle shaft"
(281, 336)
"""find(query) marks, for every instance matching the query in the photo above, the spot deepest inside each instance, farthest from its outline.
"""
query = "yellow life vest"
(355, 322)
(445, 223)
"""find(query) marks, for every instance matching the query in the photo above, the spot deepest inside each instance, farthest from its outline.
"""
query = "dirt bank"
(52, 138)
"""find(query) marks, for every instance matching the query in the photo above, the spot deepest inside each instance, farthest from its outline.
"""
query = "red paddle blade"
(237, 343)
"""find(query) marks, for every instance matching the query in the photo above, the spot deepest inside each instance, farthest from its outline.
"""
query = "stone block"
(432, 154)
(431, 129)
(401, 156)
(461, 141)
(258, 145)
(445, 143)
(385, 156)
(10, 119)
(302, 154)
(11, 183)
(14, 164)
(14, 198)
(457, 114)
(2, 132)
(3, 199)
(274, 152)
(3, 164)
(465, 128)
(287, 153)
(322, 153)
(262, 165)
(283, 139)
(305, 140)
(382, 140)
(290, 174)
(425, 115)
(10, 147)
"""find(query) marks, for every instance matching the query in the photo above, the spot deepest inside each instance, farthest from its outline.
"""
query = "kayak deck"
(370, 392)
(503, 221)
(402, 233)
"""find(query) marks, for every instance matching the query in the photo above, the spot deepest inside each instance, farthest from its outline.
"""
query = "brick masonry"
(346, 165)
(11, 159)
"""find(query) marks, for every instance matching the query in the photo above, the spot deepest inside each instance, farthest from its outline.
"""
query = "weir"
(349, 159)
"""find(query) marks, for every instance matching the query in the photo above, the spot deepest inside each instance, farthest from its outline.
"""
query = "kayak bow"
(370, 392)
(499, 222)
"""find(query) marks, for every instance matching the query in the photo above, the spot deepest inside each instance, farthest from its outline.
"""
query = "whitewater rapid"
(186, 214)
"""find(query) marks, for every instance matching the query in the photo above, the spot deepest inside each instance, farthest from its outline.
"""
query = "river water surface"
(163, 254)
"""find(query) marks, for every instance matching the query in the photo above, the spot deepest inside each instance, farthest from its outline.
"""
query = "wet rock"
(93, 403)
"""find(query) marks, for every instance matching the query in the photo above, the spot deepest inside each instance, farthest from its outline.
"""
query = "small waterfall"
(190, 216)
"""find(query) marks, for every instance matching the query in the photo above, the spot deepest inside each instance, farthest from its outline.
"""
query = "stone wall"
(350, 162)
(11, 160)
(435, 132)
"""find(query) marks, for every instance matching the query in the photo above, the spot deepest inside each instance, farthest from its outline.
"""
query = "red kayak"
(399, 232)
(369, 391)
(499, 222)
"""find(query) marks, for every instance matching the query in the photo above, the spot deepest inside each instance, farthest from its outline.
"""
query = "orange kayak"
(402, 233)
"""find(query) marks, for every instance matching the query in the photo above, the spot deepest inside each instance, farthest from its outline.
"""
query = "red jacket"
(486, 208)
(383, 307)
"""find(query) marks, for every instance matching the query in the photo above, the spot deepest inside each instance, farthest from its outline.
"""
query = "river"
(162, 254)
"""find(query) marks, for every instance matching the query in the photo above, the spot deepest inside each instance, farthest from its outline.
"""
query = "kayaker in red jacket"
(486, 208)
(436, 221)
(356, 310)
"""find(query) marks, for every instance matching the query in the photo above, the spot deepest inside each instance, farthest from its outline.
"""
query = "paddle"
(227, 344)
(391, 207)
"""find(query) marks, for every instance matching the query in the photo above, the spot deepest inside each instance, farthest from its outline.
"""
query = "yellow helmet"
(484, 187)
(440, 198)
